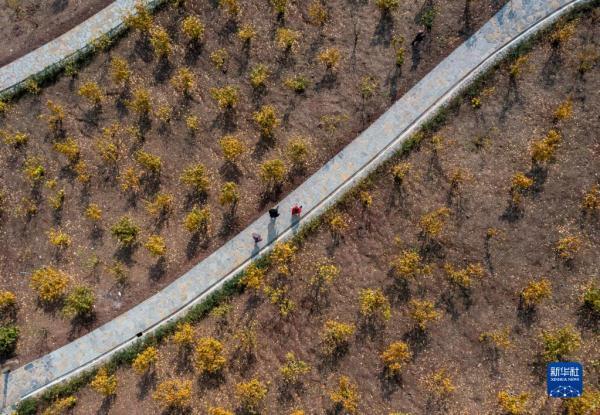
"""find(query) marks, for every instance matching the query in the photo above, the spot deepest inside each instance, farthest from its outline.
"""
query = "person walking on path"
(419, 37)
(274, 213)
(257, 238)
(296, 210)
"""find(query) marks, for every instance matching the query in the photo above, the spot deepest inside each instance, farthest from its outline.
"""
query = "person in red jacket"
(296, 210)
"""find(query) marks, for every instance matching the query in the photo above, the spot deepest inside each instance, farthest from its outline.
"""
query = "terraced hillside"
(441, 285)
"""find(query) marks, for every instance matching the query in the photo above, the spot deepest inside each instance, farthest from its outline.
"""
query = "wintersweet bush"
(282, 256)
(560, 343)
(56, 116)
(519, 185)
(423, 312)
(34, 170)
(535, 292)
(120, 72)
(273, 173)
(219, 411)
(140, 101)
(516, 68)
(497, 339)
(567, 247)
(226, 97)
(173, 393)
(293, 369)
(9, 335)
(345, 396)
(92, 92)
(246, 33)
(439, 384)
(59, 239)
(150, 162)
(586, 404)
(591, 200)
(184, 335)
(387, 5)
(60, 406)
(231, 7)
(8, 300)
(130, 179)
(79, 302)
(330, 57)
(409, 265)
(266, 119)
(374, 305)
(155, 244)
(279, 296)
(399, 171)
(16, 140)
(251, 394)
(279, 6)
(198, 220)
(184, 81)
(432, 223)
(324, 275)
(209, 356)
(287, 39)
(49, 283)
(259, 75)
(145, 360)
(246, 339)
(317, 13)
(395, 357)
(140, 20)
(229, 195)
(296, 83)
(564, 32)
(463, 277)
(399, 50)
(232, 147)
(564, 111)
(253, 278)
(195, 176)
(220, 58)
(591, 299)
(338, 223)
(335, 337)
(543, 150)
(104, 383)
(193, 28)
(56, 202)
(125, 231)
(160, 41)
(513, 404)
(161, 206)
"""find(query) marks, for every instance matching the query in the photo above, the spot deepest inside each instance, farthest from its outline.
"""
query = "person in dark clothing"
(274, 212)
(257, 238)
(418, 38)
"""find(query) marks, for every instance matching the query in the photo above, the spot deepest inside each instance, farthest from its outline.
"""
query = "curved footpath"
(515, 22)
(69, 46)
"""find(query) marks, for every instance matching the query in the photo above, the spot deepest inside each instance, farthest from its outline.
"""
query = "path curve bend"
(518, 20)
(68, 47)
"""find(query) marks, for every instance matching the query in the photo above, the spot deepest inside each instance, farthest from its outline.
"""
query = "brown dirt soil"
(28, 24)
(360, 33)
(491, 144)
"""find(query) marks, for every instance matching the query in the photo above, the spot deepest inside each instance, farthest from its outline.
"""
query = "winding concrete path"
(518, 20)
